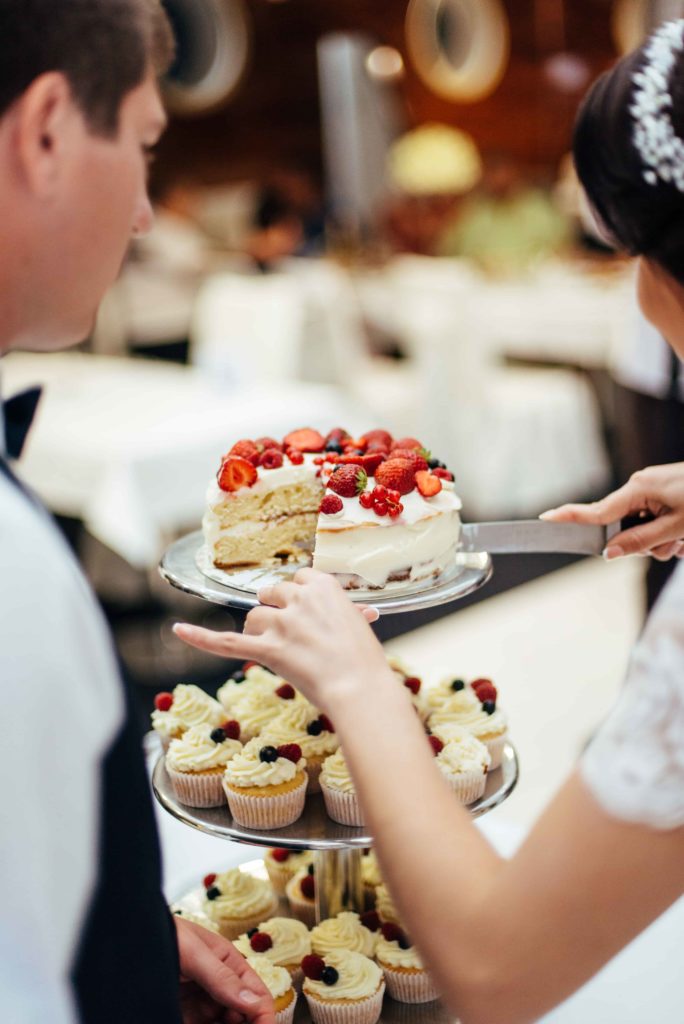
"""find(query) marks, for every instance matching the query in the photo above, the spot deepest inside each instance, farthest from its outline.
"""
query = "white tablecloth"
(129, 446)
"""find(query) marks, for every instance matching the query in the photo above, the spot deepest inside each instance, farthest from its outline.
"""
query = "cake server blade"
(535, 535)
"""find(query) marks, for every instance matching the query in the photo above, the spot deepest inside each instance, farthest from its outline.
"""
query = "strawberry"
(372, 460)
(413, 684)
(263, 443)
(408, 442)
(279, 855)
(163, 701)
(305, 440)
(295, 456)
(331, 505)
(208, 881)
(290, 751)
(412, 456)
(428, 484)
(260, 942)
(378, 438)
(348, 481)
(338, 435)
(246, 450)
(371, 920)
(484, 689)
(271, 458)
(443, 474)
(231, 729)
(313, 966)
(286, 692)
(397, 475)
(236, 472)
(350, 459)
(326, 723)
(308, 887)
(436, 744)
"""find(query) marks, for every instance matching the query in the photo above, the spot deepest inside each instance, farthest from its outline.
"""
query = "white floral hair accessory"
(661, 150)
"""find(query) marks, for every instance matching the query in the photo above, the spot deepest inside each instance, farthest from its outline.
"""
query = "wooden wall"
(273, 119)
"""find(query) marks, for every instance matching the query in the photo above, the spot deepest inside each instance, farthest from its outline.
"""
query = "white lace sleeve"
(634, 766)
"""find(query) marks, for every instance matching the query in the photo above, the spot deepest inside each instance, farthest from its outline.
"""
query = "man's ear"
(47, 122)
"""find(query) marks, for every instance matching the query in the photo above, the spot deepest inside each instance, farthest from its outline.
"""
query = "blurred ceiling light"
(434, 159)
(385, 62)
(568, 72)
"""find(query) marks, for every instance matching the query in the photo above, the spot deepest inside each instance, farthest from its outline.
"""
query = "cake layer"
(250, 543)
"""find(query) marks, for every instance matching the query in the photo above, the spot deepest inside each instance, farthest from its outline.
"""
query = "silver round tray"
(186, 567)
(314, 830)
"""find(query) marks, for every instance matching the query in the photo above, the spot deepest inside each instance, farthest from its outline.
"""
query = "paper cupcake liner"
(286, 1016)
(232, 927)
(495, 746)
(197, 789)
(467, 787)
(409, 986)
(341, 807)
(263, 812)
(361, 1011)
(303, 910)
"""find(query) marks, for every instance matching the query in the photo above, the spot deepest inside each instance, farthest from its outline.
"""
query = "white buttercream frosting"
(196, 751)
(335, 773)
(290, 727)
(191, 706)
(437, 696)
(291, 941)
(256, 678)
(391, 954)
(342, 932)
(474, 719)
(247, 769)
(359, 978)
(462, 753)
(200, 919)
(241, 895)
(277, 980)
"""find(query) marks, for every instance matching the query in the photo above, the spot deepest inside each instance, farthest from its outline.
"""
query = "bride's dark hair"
(643, 219)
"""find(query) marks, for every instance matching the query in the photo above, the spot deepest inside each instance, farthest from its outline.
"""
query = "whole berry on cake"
(371, 510)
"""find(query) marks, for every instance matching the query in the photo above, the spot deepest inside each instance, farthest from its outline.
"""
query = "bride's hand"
(658, 491)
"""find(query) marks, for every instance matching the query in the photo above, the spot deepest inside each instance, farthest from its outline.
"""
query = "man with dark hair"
(85, 934)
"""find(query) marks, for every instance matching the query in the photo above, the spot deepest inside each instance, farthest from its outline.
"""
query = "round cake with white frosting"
(372, 510)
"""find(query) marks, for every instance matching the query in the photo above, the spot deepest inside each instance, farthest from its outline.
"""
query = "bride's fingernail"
(548, 514)
(614, 551)
(247, 996)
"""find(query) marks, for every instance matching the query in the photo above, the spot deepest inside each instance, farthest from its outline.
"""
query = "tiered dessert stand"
(338, 849)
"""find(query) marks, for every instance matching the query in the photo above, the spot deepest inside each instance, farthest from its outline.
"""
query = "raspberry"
(348, 481)
(208, 881)
(250, 664)
(366, 499)
(443, 474)
(308, 886)
(371, 920)
(163, 701)
(413, 684)
(236, 472)
(326, 723)
(286, 692)
(264, 443)
(313, 966)
(391, 932)
(272, 458)
(381, 508)
(331, 505)
(371, 461)
(397, 475)
(246, 450)
(484, 690)
(412, 456)
(290, 751)
(261, 942)
(295, 457)
(231, 729)
(436, 744)
(381, 438)
(408, 442)
(428, 484)
(279, 855)
(305, 440)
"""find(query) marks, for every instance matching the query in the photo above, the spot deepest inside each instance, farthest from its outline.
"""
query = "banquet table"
(128, 446)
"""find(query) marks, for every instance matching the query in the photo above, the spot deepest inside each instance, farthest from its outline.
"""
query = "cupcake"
(339, 793)
(301, 895)
(343, 988)
(451, 688)
(384, 904)
(259, 705)
(301, 723)
(249, 678)
(236, 901)
(188, 705)
(201, 919)
(280, 940)
(195, 763)
(370, 874)
(478, 714)
(266, 785)
(406, 978)
(463, 761)
(346, 931)
(279, 983)
(412, 683)
(283, 864)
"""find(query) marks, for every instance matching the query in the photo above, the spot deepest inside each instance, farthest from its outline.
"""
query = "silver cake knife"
(535, 535)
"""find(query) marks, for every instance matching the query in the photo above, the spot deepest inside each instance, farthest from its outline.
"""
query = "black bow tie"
(19, 412)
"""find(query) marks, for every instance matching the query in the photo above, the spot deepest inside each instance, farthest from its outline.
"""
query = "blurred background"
(367, 215)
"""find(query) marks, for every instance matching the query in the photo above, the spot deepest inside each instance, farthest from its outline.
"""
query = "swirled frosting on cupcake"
(462, 752)
(191, 706)
(342, 932)
(358, 978)
(256, 709)
(452, 691)
(291, 941)
(370, 870)
(384, 904)
(247, 768)
(199, 919)
(256, 677)
(391, 954)
(239, 895)
(474, 718)
(196, 751)
(335, 773)
(277, 980)
(292, 724)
